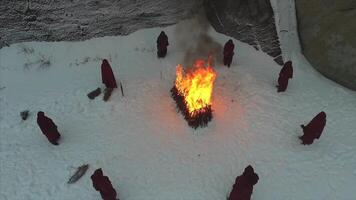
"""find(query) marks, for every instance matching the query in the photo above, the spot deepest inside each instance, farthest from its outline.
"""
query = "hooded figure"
(314, 129)
(103, 184)
(95, 178)
(107, 191)
(228, 52)
(285, 74)
(287, 70)
(282, 83)
(243, 187)
(107, 75)
(162, 43)
(48, 128)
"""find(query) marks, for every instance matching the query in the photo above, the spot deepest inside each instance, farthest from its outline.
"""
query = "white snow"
(147, 148)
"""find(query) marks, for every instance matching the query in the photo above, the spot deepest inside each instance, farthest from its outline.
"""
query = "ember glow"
(196, 85)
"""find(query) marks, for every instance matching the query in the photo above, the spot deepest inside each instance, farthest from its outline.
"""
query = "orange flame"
(196, 85)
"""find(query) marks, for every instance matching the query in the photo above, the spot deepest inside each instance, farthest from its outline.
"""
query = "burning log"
(192, 93)
(200, 118)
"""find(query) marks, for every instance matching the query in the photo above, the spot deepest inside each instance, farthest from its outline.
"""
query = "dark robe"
(282, 83)
(228, 52)
(107, 191)
(107, 75)
(48, 128)
(96, 177)
(314, 128)
(285, 74)
(162, 43)
(243, 187)
(287, 70)
(103, 184)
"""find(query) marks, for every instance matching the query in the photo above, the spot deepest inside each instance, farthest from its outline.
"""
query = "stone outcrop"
(51, 20)
(250, 21)
(327, 31)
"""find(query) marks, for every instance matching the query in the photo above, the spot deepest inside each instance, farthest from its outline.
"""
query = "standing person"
(314, 128)
(107, 75)
(162, 43)
(285, 74)
(48, 128)
(107, 191)
(96, 177)
(282, 83)
(103, 184)
(108, 79)
(243, 187)
(228, 52)
(287, 70)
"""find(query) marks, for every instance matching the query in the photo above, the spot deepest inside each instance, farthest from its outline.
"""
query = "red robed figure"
(103, 184)
(162, 43)
(48, 128)
(228, 52)
(107, 75)
(285, 74)
(287, 70)
(243, 187)
(282, 83)
(314, 128)
(97, 175)
(107, 191)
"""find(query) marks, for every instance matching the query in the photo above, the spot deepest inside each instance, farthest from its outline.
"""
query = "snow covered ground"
(146, 147)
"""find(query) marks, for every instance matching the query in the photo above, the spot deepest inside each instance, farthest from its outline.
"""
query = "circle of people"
(243, 187)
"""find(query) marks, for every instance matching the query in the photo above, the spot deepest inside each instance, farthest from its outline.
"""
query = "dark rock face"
(250, 21)
(51, 20)
(327, 31)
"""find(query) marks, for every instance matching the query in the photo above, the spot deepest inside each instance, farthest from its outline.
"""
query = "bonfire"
(192, 92)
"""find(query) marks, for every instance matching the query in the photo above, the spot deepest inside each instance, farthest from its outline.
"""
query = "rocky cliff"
(250, 21)
(327, 31)
(57, 20)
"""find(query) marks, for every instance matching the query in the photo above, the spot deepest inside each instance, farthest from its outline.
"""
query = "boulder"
(327, 31)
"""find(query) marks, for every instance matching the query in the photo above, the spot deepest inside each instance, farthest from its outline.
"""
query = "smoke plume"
(193, 38)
